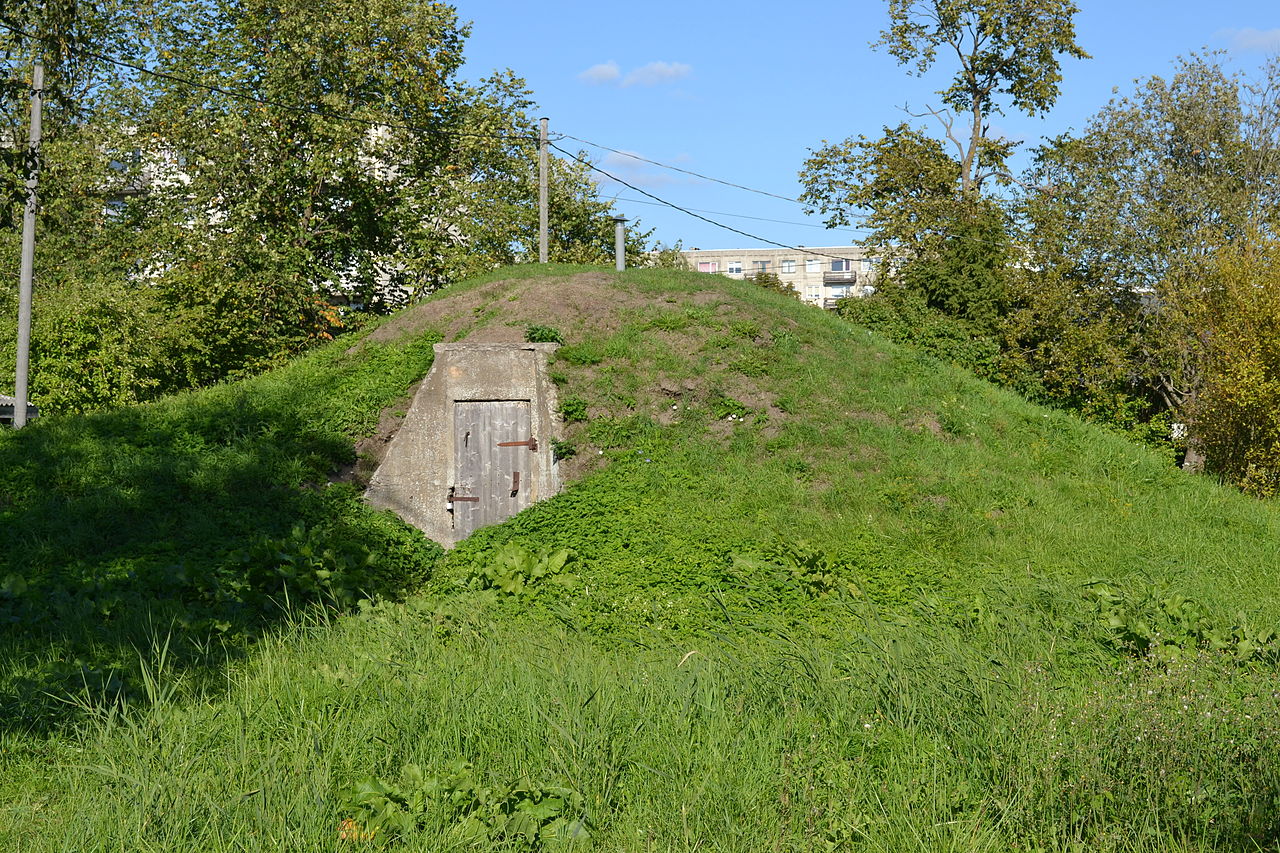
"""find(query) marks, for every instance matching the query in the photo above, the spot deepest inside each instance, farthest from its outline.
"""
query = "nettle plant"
(516, 570)
(1168, 626)
(522, 815)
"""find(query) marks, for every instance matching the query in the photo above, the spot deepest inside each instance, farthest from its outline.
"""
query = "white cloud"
(1250, 39)
(636, 172)
(656, 73)
(605, 72)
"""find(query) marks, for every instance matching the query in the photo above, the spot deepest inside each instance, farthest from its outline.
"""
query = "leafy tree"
(195, 232)
(770, 281)
(1237, 412)
(940, 236)
(1123, 221)
(1004, 49)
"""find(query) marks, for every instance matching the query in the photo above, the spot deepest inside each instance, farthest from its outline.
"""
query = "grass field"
(821, 593)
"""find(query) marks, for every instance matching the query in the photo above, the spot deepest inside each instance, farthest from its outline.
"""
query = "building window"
(813, 265)
(734, 267)
(760, 266)
(708, 266)
(841, 266)
(839, 291)
(866, 264)
(786, 266)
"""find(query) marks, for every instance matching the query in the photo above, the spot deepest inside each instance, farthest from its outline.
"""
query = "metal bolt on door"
(493, 455)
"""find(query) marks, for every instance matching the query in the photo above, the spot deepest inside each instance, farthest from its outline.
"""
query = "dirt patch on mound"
(499, 312)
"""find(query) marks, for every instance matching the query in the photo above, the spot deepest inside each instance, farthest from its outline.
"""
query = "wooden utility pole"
(542, 193)
(28, 249)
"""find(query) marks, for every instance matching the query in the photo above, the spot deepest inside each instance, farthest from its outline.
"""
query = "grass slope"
(822, 593)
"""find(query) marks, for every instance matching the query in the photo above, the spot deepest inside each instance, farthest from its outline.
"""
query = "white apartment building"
(820, 274)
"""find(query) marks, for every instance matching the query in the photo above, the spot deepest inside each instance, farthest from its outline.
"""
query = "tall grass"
(840, 597)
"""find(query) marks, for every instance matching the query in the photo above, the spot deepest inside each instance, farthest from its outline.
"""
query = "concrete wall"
(414, 478)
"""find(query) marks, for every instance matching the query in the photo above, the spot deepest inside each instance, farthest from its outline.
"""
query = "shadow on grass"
(195, 524)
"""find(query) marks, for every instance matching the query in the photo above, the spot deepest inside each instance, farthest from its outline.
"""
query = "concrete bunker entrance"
(476, 444)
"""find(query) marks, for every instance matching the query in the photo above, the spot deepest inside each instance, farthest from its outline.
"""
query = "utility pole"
(620, 243)
(542, 193)
(28, 249)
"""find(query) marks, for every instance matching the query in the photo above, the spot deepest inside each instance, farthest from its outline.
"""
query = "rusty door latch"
(456, 498)
(531, 443)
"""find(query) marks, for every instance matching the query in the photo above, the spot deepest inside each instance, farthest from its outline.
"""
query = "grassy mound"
(807, 590)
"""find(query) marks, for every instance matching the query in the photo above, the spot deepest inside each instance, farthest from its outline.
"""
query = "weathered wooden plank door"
(493, 452)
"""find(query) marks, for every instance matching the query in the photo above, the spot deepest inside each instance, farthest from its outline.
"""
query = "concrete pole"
(620, 243)
(28, 250)
(542, 193)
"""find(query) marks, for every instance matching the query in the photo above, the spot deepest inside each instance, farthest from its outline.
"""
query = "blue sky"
(741, 91)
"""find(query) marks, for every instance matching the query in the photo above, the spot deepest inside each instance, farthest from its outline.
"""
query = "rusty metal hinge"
(531, 443)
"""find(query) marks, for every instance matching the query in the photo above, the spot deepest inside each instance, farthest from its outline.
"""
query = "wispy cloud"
(1250, 39)
(605, 72)
(653, 74)
(641, 174)
(657, 73)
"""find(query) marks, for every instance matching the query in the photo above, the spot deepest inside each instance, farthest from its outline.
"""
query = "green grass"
(840, 597)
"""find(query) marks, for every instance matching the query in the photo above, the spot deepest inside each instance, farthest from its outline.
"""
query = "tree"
(939, 235)
(1123, 223)
(1004, 48)
(196, 224)
(1237, 412)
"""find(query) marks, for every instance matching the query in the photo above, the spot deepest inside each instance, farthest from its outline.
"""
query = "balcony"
(849, 277)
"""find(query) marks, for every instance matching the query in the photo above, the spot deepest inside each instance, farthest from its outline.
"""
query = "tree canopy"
(273, 170)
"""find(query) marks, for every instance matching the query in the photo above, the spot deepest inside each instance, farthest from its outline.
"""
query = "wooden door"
(493, 451)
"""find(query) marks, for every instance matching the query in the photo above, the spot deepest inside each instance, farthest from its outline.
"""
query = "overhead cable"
(688, 212)
(682, 171)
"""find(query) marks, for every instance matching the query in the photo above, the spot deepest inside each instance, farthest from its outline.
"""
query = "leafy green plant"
(573, 409)
(563, 450)
(525, 815)
(582, 354)
(723, 406)
(816, 572)
(515, 570)
(1168, 626)
(535, 334)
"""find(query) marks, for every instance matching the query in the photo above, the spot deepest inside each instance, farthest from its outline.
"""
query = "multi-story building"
(820, 274)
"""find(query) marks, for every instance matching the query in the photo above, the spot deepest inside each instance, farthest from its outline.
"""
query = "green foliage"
(1008, 49)
(1124, 218)
(723, 406)
(563, 450)
(817, 573)
(1169, 627)
(587, 352)
(516, 570)
(770, 281)
(905, 317)
(543, 335)
(521, 816)
(573, 409)
(1237, 412)
(667, 257)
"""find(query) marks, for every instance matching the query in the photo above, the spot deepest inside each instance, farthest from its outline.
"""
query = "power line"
(688, 212)
(745, 216)
(682, 171)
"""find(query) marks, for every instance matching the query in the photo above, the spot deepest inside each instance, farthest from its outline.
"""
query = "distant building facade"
(820, 274)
